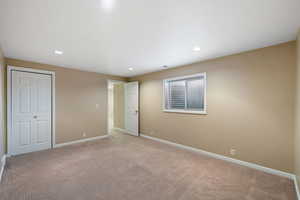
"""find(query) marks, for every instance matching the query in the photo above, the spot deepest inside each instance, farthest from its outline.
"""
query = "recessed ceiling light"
(108, 5)
(130, 68)
(196, 48)
(58, 52)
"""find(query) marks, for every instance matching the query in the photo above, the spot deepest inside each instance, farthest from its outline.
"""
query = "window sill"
(187, 112)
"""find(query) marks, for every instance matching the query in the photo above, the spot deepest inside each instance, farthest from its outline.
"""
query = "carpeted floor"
(124, 167)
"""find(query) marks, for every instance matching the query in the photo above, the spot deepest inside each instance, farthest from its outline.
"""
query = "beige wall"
(297, 115)
(2, 105)
(118, 105)
(250, 98)
(77, 93)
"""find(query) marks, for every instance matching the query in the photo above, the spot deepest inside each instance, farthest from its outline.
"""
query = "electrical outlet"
(97, 106)
(83, 134)
(232, 152)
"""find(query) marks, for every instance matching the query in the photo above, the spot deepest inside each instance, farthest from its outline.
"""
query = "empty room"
(149, 100)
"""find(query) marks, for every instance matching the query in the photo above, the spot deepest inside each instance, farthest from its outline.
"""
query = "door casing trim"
(9, 103)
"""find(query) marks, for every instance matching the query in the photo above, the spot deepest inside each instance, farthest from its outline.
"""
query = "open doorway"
(116, 105)
(123, 112)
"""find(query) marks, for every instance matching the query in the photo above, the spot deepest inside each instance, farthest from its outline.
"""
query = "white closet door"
(132, 108)
(31, 112)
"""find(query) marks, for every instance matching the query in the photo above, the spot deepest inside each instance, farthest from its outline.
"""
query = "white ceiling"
(109, 36)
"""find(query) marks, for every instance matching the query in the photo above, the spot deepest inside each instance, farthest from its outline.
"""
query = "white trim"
(53, 111)
(115, 81)
(186, 77)
(186, 111)
(296, 187)
(120, 129)
(125, 131)
(3, 162)
(25, 69)
(80, 141)
(9, 110)
(202, 112)
(225, 158)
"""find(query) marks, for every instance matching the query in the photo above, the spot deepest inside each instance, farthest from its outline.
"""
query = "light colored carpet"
(130, 168)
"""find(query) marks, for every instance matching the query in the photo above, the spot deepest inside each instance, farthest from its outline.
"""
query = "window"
(185, 94)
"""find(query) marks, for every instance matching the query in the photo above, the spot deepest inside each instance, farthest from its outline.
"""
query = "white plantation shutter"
(195, 94)
(185, 93)
(177, 94)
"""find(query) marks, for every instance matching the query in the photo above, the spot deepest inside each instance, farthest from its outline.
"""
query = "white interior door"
(132, 108)
(31, 107)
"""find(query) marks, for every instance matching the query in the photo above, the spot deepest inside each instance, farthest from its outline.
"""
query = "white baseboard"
(80, 141)
(225, 158)
(120, 129)
(3, 162)
(124, 131)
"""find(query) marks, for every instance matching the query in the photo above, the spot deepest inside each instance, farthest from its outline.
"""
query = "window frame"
(200, 112)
